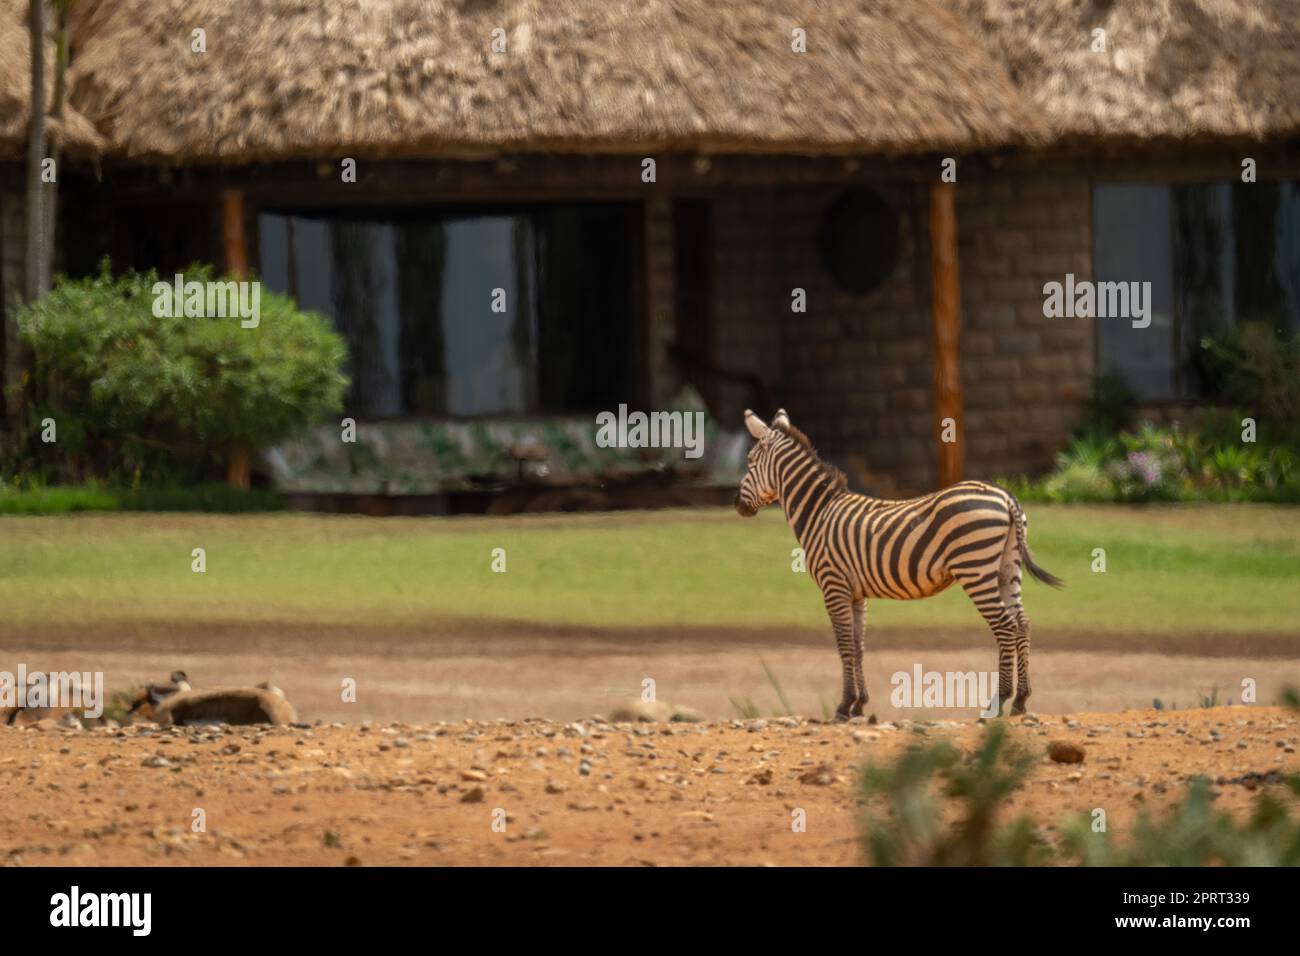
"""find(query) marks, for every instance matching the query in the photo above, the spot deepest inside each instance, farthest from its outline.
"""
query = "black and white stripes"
(857, 547)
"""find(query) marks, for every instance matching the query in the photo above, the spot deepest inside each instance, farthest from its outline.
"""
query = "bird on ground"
(151, 695)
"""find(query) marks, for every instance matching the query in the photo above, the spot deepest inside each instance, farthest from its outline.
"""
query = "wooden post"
(239, 468)
(234, 239)
(947, 325)
(234, 243)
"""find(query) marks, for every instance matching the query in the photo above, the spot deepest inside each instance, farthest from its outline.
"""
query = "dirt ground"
(352, 785)
(484, 672)
(563, 793)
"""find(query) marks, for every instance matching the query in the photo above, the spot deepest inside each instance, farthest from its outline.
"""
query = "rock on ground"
(231, 705)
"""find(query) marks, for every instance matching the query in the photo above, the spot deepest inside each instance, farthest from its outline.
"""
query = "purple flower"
(1145, 465)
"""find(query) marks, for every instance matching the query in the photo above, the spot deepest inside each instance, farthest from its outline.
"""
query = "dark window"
(413, 292)
(179, 234)
(1215, 254)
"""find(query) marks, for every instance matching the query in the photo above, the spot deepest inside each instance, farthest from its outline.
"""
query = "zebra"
(857, 547)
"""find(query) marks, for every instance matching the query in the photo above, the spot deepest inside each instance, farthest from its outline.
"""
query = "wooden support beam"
(234, 246)
(947, 326)
(234, 237)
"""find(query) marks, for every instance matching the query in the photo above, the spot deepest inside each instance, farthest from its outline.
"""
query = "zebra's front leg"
(839, 606)
(859, 638)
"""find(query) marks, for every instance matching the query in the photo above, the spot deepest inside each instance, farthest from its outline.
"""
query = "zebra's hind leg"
(839, 607)
(860, 678)
(985, 593)
(1022, 663)
(1010, 592)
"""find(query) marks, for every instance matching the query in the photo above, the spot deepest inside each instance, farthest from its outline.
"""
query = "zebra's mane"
(839, 481)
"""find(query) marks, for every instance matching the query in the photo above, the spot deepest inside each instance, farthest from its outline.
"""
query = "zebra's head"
(759, 486)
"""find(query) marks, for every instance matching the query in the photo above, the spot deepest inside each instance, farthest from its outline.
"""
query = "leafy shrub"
(67, 499)
(1257, 368)
(914, 831)
(1111, 406)
(130, 391)
(1079, 481)
(1093, 448)
(1193, 834)
(1207, 463)
(1109, 459)
(55, 501)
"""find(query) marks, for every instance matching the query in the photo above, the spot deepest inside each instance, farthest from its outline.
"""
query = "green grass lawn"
(1229, 568)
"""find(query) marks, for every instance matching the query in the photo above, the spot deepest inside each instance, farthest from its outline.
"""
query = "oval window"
(859, 240)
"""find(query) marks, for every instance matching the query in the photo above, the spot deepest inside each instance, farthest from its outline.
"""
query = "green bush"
(1209, 462)
(1079, 481)
(914, 833)
(1256, 368)
(66, 499)
(912, 830)
(1194, 834)
(1110, 460)
(133, 392)
(1111, 406)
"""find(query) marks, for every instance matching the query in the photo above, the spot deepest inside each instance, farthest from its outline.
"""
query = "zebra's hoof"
(841, 715)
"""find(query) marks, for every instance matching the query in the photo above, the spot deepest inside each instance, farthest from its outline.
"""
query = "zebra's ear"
(782, 420)
(756, 426)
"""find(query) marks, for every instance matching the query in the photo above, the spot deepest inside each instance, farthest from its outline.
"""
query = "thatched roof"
(74, 131)
(285, 79)
(290, 78)
(1176, 70)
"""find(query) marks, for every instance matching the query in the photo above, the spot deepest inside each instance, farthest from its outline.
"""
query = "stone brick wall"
(856, 371)
(1024, 377)
(751, 297)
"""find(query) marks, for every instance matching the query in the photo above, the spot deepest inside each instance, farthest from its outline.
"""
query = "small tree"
(130, 390)
(41, 202)
(37, 247)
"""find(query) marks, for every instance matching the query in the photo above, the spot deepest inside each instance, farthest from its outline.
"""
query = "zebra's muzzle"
(744, 510)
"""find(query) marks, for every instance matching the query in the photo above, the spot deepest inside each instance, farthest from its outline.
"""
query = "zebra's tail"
(1026, 556)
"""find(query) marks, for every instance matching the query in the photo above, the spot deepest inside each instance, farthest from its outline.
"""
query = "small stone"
(1062, 751)
(819, 776)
